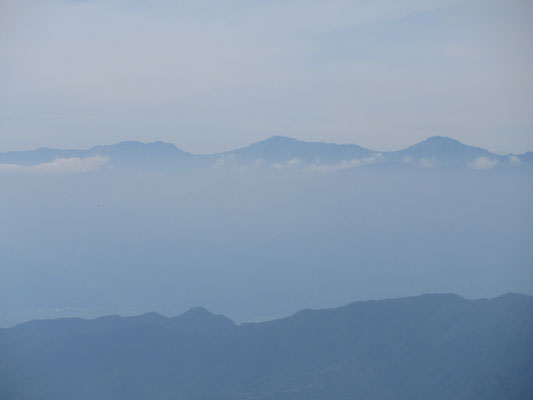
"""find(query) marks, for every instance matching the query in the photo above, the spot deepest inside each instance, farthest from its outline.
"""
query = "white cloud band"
(60, 165)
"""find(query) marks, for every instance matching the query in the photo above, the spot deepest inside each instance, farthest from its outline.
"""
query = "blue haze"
(258, 243)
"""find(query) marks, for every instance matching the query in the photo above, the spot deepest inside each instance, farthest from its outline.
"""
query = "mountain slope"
(431, 346)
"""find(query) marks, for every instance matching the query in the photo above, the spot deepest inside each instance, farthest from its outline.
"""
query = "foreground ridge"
(430, 346)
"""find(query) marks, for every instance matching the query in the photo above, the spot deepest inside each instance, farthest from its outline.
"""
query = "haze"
(256, 243)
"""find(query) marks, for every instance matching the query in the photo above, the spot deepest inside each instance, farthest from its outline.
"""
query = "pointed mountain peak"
(439, 142)
(199, 316)
(443, 151)
(198, 312)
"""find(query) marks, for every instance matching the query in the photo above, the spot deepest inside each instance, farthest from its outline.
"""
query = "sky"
(213, 75)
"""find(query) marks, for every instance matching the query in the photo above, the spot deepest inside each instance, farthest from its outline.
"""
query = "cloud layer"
(60, 166)
(483, 163)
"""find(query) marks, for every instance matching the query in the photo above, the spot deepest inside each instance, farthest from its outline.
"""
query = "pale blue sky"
(214, 75)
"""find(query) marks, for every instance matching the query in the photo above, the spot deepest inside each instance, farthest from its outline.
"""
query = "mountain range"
(279, 153)
(425, 347)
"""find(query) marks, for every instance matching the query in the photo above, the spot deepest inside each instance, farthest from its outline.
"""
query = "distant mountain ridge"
(125, 151)
(425, 347)
(283, 149)
(281, 152)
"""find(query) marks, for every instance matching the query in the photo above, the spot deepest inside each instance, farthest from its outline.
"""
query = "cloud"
(428, 162)
(483, 163)
(60, 165)
(515, 160)
(224, 160)
(408, 160)
(293, 162)
(346, 164)
(423, 162)
(257, 163)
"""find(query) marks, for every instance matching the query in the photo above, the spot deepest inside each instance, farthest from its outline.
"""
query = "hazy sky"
(211, 75)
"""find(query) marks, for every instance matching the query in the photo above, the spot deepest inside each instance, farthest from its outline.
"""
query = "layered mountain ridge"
(430, 346)
(280, 153)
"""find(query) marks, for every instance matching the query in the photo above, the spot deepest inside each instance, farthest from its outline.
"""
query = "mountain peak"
(444, 151)
(441, 140)
(198, 312)
(283, 149)
(275, 141)
(199, 317)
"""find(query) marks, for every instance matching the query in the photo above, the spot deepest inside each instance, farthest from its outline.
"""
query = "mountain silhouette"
(425, 347)
(283, 149)
(131, 154)
(281, 152)
(443, 151)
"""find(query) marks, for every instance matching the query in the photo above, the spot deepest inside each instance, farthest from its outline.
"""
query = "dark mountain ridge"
(430, 346)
